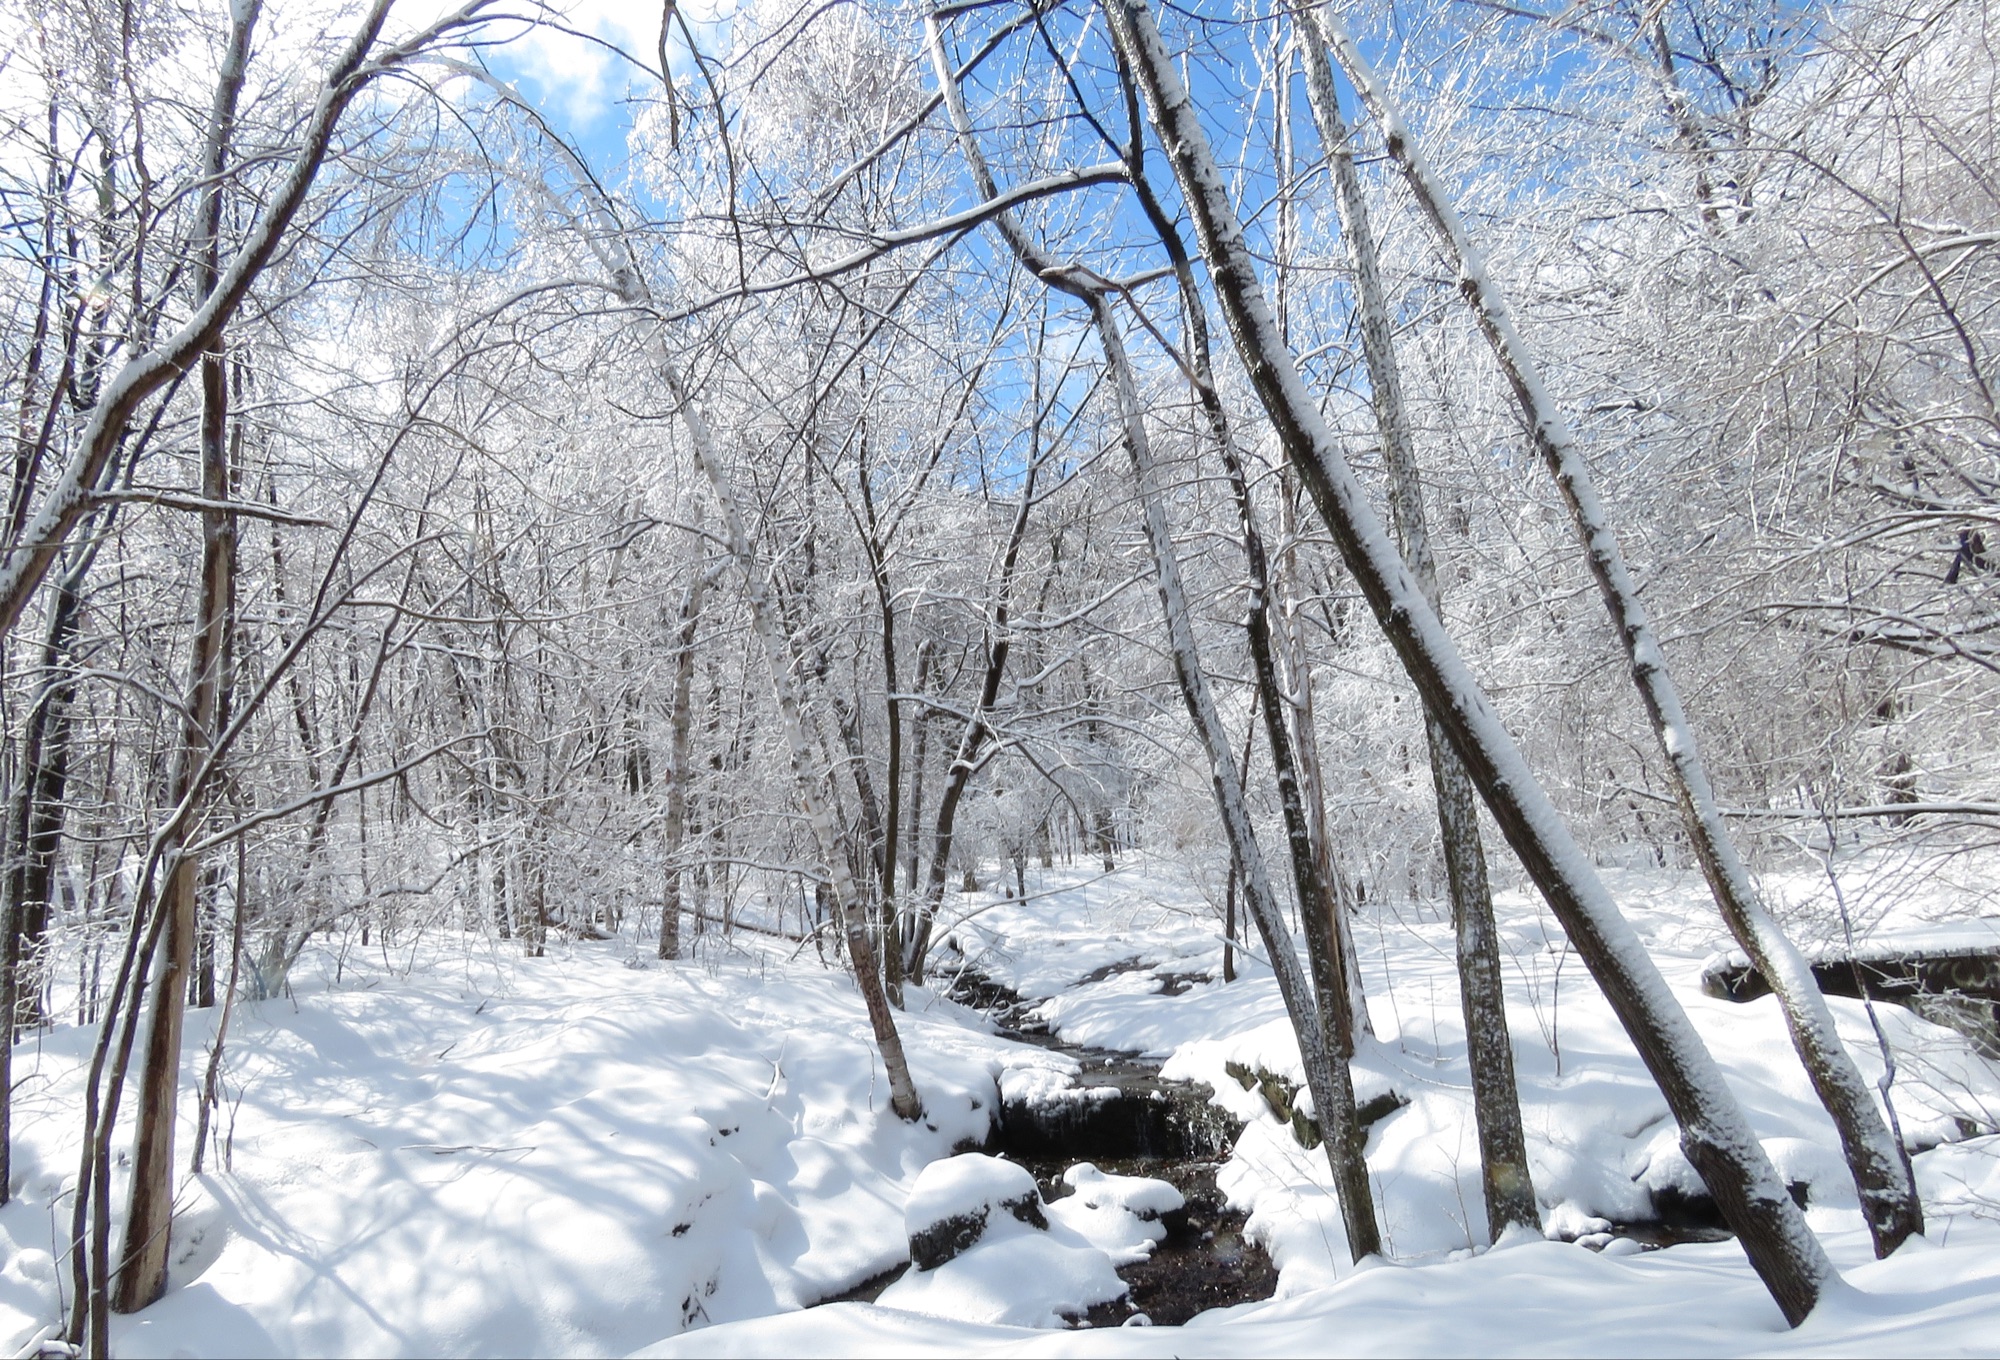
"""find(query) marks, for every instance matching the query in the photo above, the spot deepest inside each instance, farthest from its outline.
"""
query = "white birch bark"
(1876, 1159)
(1714, 1133)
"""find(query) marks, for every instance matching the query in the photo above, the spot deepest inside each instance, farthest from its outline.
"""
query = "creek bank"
(1173, 1130)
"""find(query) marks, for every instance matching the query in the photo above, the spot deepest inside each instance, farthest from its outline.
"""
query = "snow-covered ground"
(440, 1148)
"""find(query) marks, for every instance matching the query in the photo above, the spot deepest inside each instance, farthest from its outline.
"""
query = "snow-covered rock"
(958, 1200)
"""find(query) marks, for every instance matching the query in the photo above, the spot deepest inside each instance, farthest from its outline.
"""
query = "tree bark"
(1327, 1075)
(142, 1272)
(1876, 1159)
(1714, 1134)
(926, 652)
(675, 833)
(1508, 1186)
(972, 741)
(1319, 910)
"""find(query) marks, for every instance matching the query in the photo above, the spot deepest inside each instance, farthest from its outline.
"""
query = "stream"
(1172, 1131)
(1169, 1130)
(1149, 1126)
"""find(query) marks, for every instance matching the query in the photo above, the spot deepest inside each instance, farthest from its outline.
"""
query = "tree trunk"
(1877, 1160)
(926, 654)
(1503, 1151)
(142, 1272)
(999, 641)
(1714, 1134)
(1319, 910)
(1291, 645)
(1328, 1078)
(1327, 1075)
(675, 832)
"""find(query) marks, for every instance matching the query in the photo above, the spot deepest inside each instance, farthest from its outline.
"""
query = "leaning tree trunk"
(1291, 645)
(1877, 1160)
(1714, 1133)
(1328, 1077)
(1496, 1105)
(1326, 925)
(903, 1097)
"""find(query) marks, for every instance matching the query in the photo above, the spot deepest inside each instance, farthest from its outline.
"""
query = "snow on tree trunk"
(1328, 950)
(33, 551)
(1876, 1159)
(1715, 1135)
(1327, 1075)
(1496, 1103)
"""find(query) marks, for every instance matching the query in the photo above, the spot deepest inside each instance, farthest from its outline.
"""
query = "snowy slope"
(558, 1156)
(442, 1149)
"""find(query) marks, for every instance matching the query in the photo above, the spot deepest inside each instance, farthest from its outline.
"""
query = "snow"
(437, 1156)
(439, 1148)
(1541, 1299)
(1016, 1275)
(1119, 1215)
(1008, 1263)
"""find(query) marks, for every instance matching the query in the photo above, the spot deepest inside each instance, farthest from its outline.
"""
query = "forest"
(807, 676)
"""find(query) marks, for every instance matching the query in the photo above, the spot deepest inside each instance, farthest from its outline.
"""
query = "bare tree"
(1496, 1105)
(1879, 1164)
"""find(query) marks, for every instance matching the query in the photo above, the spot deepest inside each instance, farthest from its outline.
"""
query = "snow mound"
(1028, 1278)
(1119, 1215)
(1042, 1086)
(982, 1249)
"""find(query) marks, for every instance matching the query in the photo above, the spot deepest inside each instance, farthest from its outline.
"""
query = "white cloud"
(581, 81)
